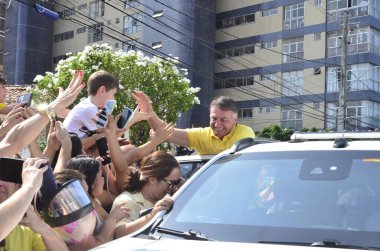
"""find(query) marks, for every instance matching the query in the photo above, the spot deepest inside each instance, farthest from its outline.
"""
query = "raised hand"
(32, 174)
(143, 101)
(68, 96)
(162, 133)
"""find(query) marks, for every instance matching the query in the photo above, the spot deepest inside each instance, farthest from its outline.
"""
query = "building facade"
(280, 60)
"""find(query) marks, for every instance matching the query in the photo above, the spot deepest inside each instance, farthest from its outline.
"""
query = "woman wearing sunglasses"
(148, 186)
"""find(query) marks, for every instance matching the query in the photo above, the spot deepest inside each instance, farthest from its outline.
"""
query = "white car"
(291, 195)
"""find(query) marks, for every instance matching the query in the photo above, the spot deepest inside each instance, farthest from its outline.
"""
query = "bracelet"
(49, 112)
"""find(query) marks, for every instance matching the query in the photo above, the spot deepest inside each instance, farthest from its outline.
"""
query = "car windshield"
(302, 197)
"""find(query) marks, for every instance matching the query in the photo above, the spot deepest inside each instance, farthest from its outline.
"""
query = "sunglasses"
(172, 183)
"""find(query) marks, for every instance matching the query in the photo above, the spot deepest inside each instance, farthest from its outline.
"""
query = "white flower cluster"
(193, 90)
(196, 100)
(38, 78)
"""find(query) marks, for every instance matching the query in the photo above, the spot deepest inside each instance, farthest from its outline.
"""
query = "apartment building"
(280, 60)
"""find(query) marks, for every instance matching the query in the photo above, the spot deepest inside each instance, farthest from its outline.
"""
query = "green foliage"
(160, 79)
(273, 131)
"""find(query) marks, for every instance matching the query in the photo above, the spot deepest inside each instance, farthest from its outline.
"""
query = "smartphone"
(27, 97)
(11, 170)
(107, 109)
(126, 115)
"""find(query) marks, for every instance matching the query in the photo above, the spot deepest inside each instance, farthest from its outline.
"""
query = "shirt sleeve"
(195, 136)
(129, 204)
(38, 243)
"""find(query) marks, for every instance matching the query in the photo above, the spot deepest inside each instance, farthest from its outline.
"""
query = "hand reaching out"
(162, 133)
(143, 101)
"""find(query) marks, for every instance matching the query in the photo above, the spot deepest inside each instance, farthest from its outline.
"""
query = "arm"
(24, 133)
(179, 137)
(66, 146)
(163, 204)
(7, 109)
(13, 118)
(12, 210)
(52, 241)
(161, 135)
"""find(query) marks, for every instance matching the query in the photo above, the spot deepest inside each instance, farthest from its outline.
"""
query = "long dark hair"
(158, 165)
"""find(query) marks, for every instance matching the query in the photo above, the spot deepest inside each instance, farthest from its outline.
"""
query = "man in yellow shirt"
(222, 134)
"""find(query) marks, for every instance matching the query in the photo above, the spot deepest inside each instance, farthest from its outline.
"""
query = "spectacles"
(172, 183)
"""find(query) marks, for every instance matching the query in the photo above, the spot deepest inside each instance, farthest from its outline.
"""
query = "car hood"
(130, 243)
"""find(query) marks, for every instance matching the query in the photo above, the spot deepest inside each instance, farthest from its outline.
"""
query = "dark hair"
(66, 175)
(225, 103)
(87, 166)
(158, 164)
(101, 78)
(76, 148)
(3, 80)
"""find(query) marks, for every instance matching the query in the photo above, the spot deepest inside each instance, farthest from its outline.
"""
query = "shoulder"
(199, 130)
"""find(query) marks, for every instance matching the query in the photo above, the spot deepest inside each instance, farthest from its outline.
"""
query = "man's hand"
(68, 96)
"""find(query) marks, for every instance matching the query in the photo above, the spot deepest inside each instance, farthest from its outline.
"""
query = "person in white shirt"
(101, 86)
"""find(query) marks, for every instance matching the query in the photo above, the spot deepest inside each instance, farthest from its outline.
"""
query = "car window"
(305, 196)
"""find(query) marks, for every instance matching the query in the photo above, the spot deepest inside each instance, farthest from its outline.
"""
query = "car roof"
(191, 158)
(368, 145)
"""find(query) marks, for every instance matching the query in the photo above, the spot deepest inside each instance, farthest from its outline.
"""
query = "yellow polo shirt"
(2, 105)
(204, 141)
(23, 238)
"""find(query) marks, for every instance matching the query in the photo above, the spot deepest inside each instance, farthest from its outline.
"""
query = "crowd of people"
(136, 178)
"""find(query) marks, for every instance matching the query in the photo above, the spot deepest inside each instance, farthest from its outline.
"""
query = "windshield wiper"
(338, 244)
(190, 235)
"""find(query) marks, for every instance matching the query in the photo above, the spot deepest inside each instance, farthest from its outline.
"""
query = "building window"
(117, 20)
(317, 36)
(245, 113)
(316, 106)
(271, 12)
(234, 82)
(358, 76)
(360, 40)
(116, 45)
(63, 36)
(130, 45)
(95, 33)
(128, 4)
(268, 77)
(268, 45)
(68, 12)
(132, 24)
(294, 16)
(81, 30)
(293, 50)
(318, 2)
(82, 7)
(292, 83)
(363, 114)
(235, 21)
(355, 8)
(58, 58)
(291, 117)
(96, 9)
(236, 51)
(267, 109)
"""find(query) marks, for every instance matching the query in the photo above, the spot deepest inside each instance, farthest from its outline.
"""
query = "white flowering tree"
(160, 79)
